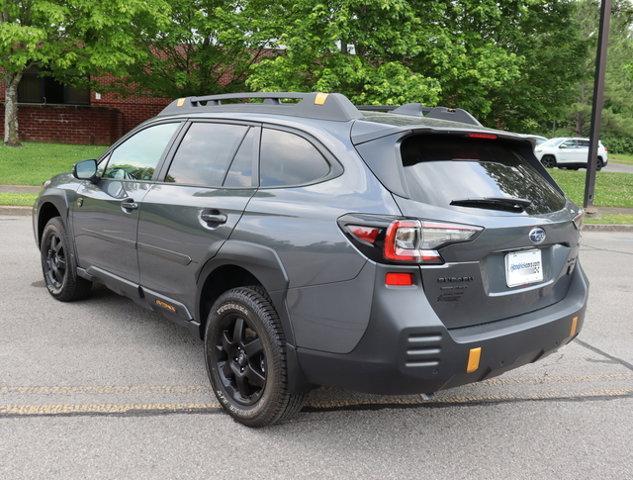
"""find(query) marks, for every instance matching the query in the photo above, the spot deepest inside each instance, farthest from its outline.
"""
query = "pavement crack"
(591, 247)
(605, 354)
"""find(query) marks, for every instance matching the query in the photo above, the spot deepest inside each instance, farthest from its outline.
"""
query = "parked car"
(311, 243)
(566, 152)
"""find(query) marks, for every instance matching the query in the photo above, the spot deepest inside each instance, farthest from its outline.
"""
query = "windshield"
(443, 169)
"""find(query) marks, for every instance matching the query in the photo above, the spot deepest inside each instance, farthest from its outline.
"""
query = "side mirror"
(86, 170)
(562, 146)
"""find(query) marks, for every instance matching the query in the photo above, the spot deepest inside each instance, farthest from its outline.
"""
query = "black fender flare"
(58, 198)
(261, 262)
(266, 266)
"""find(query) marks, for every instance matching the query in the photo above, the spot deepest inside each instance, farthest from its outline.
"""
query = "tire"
(600, 164)
(548, 161)
(249, 379)
(59, 268)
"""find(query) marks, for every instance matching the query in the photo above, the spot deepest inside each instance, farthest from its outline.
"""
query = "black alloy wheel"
(241, 360)
(246, 358)
(55, 263)
(58, 264)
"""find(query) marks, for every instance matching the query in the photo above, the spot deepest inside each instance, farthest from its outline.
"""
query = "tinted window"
(439, 170)
(287, 159)
(583, 143)
(138, 156)
(205, 153)
(241, 169)
(569, 144)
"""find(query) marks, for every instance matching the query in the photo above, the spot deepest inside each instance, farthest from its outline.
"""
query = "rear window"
(442, 169)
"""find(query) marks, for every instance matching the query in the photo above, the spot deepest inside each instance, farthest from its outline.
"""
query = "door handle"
(129, 204)
(212, 218)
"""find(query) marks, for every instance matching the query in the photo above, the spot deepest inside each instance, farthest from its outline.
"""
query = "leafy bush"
(618, 144)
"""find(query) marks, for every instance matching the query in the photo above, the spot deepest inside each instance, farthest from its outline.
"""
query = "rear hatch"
(524, 255)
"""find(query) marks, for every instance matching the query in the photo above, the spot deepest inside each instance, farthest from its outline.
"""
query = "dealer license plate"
(524, 267)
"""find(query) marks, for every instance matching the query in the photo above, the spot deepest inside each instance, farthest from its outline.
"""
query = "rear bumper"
(407, 349)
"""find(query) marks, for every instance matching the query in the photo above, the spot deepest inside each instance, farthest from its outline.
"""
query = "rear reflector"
(574, 326)
(399, 279)
(474, 355)
(483, 136)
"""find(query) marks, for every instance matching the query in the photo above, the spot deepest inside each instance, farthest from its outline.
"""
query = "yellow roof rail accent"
(320, 98)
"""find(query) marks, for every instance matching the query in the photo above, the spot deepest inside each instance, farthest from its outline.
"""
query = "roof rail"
(419, 110)
(316, 105)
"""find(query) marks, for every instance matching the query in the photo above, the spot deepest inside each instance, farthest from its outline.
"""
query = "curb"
(597, 227)
(15, 211)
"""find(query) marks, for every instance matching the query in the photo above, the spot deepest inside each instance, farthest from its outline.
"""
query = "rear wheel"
(58, 265)
(245, 352)
(548, 161)
(600, 164)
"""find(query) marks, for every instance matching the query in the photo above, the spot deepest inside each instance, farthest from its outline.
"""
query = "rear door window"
(205, 153)
(287, 159)
(440, 169)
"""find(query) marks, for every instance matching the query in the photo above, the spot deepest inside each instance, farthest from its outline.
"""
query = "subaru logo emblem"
(537, 235)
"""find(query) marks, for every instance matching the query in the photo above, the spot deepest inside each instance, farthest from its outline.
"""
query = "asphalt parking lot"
(103, 389)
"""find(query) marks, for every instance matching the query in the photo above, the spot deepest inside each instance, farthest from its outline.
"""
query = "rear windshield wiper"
(509, 204)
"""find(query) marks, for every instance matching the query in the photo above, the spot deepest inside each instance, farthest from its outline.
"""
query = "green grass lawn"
(17, 199)
(33, 163)
(611, 219)
(625, 158)
(612, 189)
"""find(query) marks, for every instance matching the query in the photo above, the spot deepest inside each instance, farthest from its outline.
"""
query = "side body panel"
(299, 225)
(105, 231)
(174, 242)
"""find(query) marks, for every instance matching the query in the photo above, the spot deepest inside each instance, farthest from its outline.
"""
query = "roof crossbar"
(321, 106)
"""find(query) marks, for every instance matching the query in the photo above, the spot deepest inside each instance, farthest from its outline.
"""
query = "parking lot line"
(131, 409)
(192, 389)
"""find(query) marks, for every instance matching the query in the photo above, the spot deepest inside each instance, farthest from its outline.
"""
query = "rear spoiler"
(418, 110)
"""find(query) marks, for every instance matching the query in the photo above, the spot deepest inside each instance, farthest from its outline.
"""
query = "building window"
(36, 88)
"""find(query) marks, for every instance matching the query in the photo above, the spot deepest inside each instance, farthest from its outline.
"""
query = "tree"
(365, 49)
(617, 115)
(71, 39)
(506, 62)
(208, 46)
(524, 61)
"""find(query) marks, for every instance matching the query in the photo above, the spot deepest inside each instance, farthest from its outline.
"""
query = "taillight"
(367, 235)
(483, 136)
(415, 241)
(404, 240)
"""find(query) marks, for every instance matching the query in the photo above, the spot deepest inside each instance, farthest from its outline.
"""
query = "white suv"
(567, 152)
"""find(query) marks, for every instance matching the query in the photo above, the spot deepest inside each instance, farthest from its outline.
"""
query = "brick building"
(49, 111)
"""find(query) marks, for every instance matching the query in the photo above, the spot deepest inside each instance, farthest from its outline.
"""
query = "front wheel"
(245, 352)
(58, 265)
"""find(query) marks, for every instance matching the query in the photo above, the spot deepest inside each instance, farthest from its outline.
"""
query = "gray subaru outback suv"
(309, 242)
